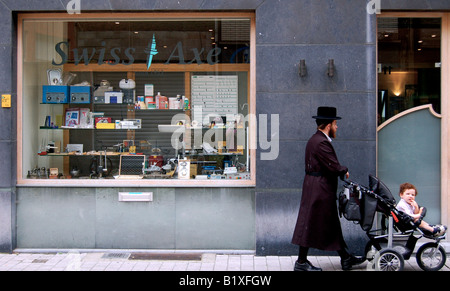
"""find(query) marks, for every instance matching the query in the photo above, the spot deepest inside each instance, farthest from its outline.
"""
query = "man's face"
(333, 129)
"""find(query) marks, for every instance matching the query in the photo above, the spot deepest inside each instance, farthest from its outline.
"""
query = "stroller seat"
(404, 222)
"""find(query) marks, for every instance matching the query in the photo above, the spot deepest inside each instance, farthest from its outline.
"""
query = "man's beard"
(332, 132)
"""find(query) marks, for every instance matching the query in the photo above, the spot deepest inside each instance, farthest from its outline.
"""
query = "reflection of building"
(409, 56)
(256, 213)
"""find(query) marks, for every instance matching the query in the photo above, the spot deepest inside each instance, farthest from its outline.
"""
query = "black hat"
(326, 113)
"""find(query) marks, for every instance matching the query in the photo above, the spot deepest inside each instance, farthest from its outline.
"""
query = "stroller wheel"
(388, 260)
(431, 257)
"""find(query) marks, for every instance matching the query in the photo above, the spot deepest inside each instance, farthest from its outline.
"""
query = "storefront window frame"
(21, 181)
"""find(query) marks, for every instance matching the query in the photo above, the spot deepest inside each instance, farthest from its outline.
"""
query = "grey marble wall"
(315, 31)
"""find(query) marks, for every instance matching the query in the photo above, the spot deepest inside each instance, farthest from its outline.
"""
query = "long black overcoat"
(318, 224)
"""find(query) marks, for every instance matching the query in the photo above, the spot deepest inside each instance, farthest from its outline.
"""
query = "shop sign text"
(86, 55)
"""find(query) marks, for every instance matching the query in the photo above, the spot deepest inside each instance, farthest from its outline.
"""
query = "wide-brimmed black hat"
(326, 113)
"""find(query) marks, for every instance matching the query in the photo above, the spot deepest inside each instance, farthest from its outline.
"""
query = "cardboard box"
(148, 90)
(72, 117)
(106, 125)
(99, 120)
(114, 97)
(84, 117)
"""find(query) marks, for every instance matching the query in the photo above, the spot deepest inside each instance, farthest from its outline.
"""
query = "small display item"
(148, 90)
(114, 97)
(54, 173)
(55, 94)
(80, 94)
(184, 169)
(102, 120)
(106, 125)
(72, 117)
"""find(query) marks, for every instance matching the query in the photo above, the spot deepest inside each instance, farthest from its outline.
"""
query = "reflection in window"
(409, 61)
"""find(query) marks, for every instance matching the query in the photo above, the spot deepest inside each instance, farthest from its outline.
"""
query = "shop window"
(155, 100)
(409, 107)
(409, 64)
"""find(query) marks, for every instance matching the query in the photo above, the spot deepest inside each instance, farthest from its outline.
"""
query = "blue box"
(80, 94)
(55, 94)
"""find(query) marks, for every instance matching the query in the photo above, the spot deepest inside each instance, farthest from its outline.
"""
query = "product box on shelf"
(106, 126)
(99, 120)
(129, 124)
(55, 94)
(72, 117)
(114, 97)
(148, 90)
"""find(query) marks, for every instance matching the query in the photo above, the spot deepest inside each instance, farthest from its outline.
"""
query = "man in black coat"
(318, 224)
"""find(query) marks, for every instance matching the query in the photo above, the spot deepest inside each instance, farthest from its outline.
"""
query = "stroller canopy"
(381, 189)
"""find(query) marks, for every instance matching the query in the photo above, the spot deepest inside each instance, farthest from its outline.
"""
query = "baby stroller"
(389, 245)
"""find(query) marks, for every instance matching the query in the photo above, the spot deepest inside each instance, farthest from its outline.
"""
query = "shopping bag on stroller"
(349, 204)
(357, 205)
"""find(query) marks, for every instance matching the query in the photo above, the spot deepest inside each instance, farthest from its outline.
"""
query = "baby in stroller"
(408, 205)
(395, 242)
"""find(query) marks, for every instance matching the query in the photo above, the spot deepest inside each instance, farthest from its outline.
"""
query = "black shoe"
(351, 261)
(305, 267)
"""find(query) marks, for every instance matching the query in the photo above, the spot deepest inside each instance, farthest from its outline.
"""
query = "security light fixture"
(330, 69)
(302, 68)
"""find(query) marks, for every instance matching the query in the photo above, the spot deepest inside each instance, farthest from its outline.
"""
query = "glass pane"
(176, 42)
(409, 75)
(175, 67)
(409, 61)
(409, 150)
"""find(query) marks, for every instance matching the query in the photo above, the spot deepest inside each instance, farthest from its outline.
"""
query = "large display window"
(136, 99)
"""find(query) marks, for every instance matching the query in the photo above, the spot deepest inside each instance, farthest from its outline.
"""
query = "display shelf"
(87, 154)
(83, 128)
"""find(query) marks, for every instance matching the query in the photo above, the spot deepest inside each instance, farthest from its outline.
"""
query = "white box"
(130, 124)
(135, 196)
(114, 97)
(148, 90)
(73, 147)
(84, 117)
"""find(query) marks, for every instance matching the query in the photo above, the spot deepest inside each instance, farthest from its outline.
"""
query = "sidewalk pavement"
(122, 260)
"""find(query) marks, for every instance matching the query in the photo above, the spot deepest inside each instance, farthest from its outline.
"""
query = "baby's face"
(409, 195)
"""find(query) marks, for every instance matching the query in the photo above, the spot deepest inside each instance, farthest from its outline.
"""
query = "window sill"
(98, 183)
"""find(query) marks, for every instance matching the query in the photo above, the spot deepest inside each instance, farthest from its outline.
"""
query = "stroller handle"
(360, 187)
(353, 183)
(368, 191)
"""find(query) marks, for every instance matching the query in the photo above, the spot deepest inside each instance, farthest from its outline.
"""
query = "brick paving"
(97, 261)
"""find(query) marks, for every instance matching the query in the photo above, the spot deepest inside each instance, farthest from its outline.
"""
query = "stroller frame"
(389, 246)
